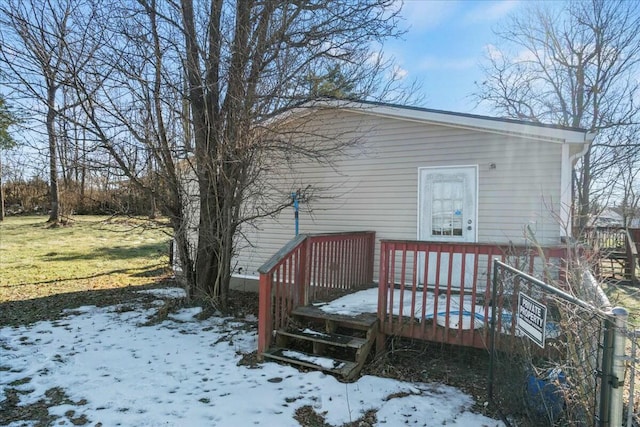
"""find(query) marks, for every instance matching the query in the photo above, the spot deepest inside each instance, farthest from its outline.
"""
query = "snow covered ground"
(184, 372)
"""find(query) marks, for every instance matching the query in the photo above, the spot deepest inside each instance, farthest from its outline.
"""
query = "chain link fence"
(552, 355)
(632, 381)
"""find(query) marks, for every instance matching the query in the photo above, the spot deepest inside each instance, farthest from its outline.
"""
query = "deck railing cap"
(278, 256)
(293, 243)
(482, 244)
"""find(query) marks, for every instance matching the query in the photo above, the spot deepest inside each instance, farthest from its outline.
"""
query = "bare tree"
(627, 173)
(201, 84)
(37, 38)
(7, 119)
(576, 65)
(630, 182)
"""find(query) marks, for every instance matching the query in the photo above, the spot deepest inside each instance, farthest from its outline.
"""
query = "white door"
(447, 204)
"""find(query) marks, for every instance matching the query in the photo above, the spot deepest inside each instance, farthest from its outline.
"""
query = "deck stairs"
(616, 264)
(617, 253)
(326, 342)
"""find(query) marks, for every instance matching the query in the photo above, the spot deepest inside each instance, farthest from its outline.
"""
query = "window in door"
(447, 204)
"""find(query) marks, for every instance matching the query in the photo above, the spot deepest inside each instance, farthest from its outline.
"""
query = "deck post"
(265, 321)
(382, 299)
(302, 282)
(372, 250)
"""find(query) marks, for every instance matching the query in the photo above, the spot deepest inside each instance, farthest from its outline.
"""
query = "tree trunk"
(1, 192)
(206, 261)
(153, 210)
(584, 192)
(54, 215)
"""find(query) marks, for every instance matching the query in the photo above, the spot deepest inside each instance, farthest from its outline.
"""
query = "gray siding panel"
(375, 186)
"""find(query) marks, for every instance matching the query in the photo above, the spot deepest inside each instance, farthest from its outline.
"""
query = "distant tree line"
(33, 196)
(144, 105)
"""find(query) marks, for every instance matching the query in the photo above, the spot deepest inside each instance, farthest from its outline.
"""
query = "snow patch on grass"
(113, 371)
(165, 292)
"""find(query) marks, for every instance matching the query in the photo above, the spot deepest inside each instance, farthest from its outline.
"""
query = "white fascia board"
(566, 174)
(463, 121)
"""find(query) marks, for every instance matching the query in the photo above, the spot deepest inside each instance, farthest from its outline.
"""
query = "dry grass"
(91, 257)
(627, 296)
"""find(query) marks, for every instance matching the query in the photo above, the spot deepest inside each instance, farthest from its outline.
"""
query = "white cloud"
(376, 57)
(423, 15)
(492, 52)
(490, 11)
(399, 73)
(525, 55)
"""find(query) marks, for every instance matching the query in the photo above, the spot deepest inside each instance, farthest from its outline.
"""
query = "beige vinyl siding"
(375, 186)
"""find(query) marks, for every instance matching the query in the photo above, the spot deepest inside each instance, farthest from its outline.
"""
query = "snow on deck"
(366, 301)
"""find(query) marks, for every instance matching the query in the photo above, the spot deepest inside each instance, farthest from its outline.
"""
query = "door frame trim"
(476, 201)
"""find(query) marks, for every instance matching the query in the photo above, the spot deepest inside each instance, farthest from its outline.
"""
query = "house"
(442, 195)
(423, 174)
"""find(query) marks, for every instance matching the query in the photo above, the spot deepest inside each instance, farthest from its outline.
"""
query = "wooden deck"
(454, 308)
(433, 291)
(430, 291)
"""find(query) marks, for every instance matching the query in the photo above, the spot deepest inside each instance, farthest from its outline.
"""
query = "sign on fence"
(532, 318)
(590, 398)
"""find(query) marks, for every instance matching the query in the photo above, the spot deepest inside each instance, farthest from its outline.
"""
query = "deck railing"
(603, 238)
(308, 268)
(441, 291)
(616, 243)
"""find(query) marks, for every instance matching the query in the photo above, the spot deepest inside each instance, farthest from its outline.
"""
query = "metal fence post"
(604, 412)
(632, 378)
(613, 356)
(621, 316)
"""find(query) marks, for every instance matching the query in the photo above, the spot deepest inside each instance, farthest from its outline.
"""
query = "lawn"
(91, 334)
(94, 256)
(626, 296)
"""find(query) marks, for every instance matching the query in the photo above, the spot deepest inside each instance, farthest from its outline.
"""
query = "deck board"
(361, 321)
(334, 339)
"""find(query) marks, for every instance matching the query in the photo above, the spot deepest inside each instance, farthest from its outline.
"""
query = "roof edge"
(540, 131)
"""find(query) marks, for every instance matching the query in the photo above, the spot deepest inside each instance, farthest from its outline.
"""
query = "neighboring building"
(607, 218)
(427, 175)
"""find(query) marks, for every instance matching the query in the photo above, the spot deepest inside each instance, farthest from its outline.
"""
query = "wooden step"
(343, 368)
(363, 322)
(616, 255)
(337, 340)
(333, 338)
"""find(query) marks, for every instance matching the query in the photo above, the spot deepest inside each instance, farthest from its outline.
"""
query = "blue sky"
(444, 47)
